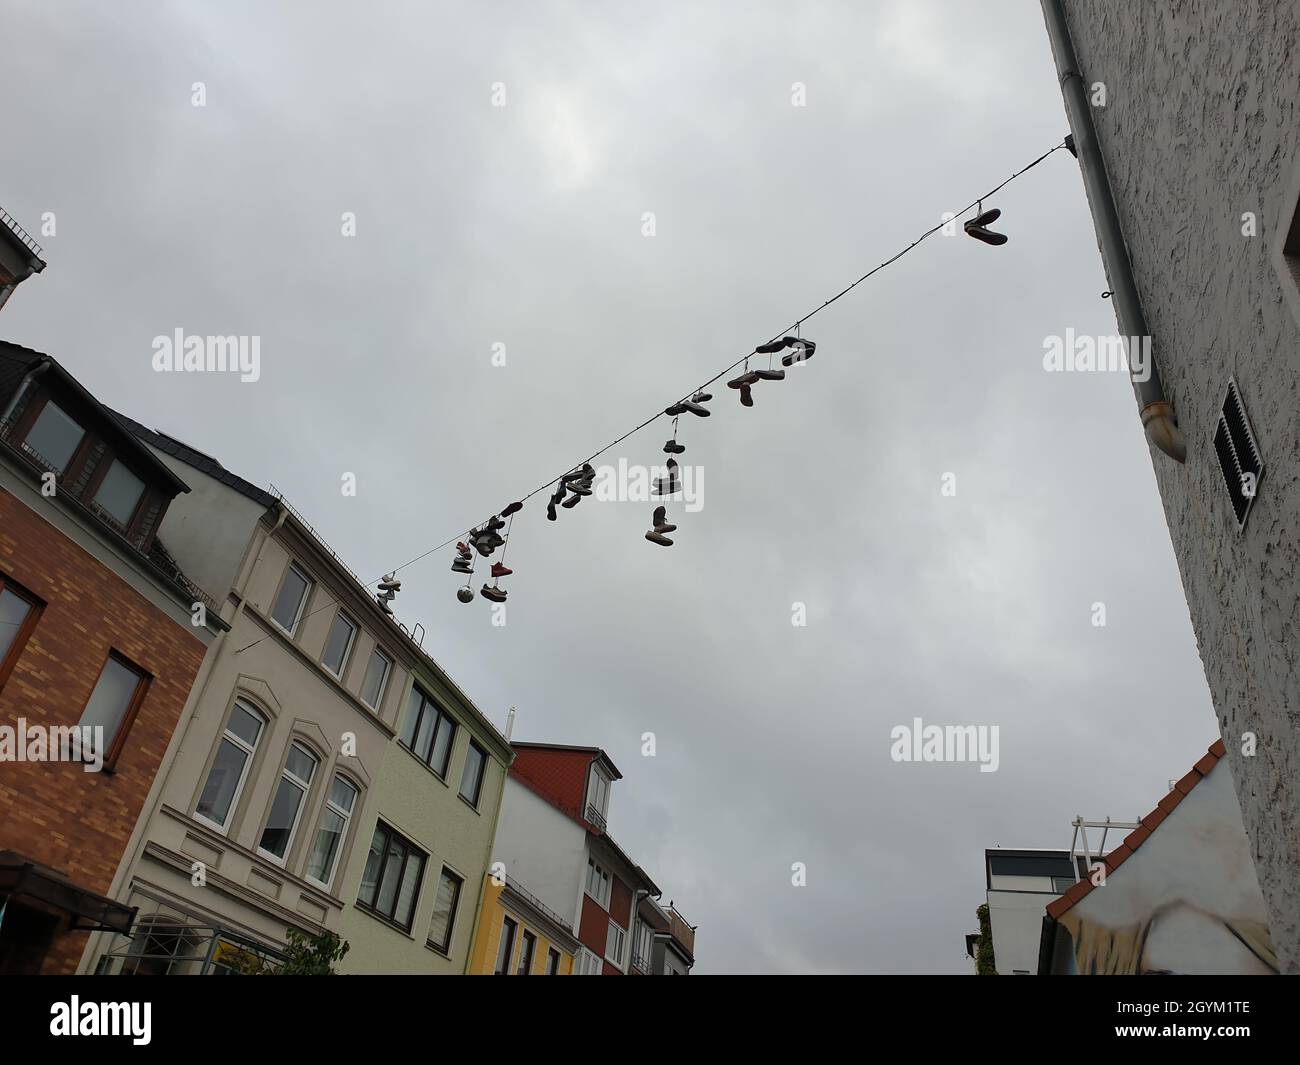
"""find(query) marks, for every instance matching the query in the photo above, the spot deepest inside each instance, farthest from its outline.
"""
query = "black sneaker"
(497, 595)
(672, 447)
(802, 351)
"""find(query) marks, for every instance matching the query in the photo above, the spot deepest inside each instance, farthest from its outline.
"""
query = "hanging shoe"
(465, 594)
(696, 404)
(550, 510)
(770, 375)
(571, 502)
(772, 347)
(500, 569)
(464, 549)
(670, 485)
(744, 383)
(672, 447)
(462, 565)
(497, 595)
(656, 537)
(513, 508)
(676, 409)
(977, 228)
(582, 488)
(662, 524)
(800, 351)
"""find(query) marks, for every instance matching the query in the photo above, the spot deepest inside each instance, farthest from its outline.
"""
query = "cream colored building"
(326, 775)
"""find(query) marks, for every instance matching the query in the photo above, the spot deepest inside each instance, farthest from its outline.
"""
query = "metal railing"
(164, 947)
(1079, 847)
(641, 964)
(534, 901)
(19, 232)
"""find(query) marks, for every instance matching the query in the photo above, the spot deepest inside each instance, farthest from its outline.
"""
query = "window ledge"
(369, 912)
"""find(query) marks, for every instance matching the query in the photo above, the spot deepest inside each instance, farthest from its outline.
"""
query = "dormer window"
(119, 493)
(598, 797)
(54, 437)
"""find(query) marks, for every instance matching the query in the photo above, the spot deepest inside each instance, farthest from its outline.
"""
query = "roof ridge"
(1146, 826)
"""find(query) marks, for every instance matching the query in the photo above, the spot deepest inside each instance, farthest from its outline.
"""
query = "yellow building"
(518, 936)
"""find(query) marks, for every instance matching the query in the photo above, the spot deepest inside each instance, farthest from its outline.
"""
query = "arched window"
(229, 769)
(290, 798)
(333, 831)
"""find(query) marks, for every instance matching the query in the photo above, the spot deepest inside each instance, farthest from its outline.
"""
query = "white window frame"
(302, 603)
(305, 785)
(346, 618)
(598, 777)
(588, 959)
(643, 941)
(251, 753)
(331, 805)
(603, 882)
(620, 944)
(383, 684)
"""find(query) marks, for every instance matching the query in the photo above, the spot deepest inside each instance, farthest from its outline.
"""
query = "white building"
(1184, 117)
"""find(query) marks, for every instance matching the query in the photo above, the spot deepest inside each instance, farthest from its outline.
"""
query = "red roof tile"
(1138, 836)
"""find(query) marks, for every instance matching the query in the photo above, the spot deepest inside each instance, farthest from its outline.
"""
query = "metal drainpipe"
(32, 374)
(1157, 413)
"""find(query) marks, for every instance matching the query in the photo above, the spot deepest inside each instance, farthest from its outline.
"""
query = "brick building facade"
(95, 629)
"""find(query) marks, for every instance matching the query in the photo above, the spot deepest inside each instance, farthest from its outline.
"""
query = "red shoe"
(499, 569)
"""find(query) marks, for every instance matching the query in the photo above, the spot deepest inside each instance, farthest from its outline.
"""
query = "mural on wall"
(1241, 945)
(1186, 900)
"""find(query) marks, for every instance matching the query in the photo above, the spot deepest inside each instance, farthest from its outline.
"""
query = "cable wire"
(796, 325)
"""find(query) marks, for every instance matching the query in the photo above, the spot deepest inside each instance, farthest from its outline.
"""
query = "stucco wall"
(1200, 126)
(1188, 894)
(487, 939)
(543, 849)
(429, 812)
(208, 527)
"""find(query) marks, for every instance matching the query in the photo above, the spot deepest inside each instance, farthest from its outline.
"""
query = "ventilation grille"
(1239, 459)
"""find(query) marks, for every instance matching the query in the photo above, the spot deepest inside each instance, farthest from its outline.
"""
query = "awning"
(23, 879)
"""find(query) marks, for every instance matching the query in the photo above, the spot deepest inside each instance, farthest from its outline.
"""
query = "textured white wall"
(545, 851)
(1201, 126)
(1194, 874)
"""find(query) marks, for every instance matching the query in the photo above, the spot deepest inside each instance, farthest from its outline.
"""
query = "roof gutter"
(1157, 413)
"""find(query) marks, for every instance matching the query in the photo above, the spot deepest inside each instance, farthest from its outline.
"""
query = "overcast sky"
(523, 225)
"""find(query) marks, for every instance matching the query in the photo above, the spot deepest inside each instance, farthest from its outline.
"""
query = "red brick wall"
(620, 902)
(54, 812)
(561, 776)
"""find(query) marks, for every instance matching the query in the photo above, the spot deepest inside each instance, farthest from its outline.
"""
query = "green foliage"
(984, 965)
(306, 955)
